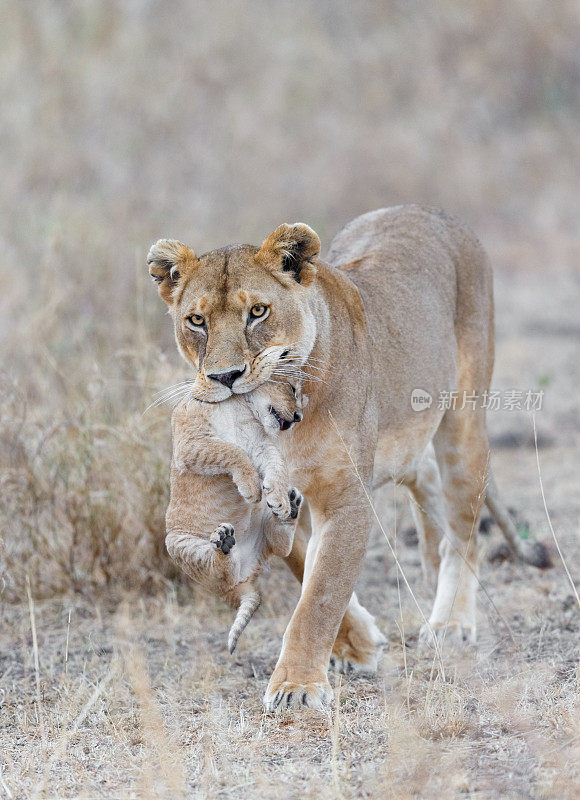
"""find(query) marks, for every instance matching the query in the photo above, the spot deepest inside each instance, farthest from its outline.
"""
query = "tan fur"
(224, 458)
(404, 301)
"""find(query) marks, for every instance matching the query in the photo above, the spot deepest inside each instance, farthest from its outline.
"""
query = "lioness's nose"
(227, 378)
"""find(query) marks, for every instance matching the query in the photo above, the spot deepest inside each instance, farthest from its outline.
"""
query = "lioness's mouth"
(283, 423)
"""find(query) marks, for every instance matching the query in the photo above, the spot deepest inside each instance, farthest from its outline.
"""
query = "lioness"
(231, 507)
(403, 302)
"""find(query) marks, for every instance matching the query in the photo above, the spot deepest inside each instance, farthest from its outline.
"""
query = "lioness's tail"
(528, 550)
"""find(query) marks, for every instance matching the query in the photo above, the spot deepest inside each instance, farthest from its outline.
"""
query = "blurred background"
(213, 122)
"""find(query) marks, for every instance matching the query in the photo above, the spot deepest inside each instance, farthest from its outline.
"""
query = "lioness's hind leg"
(462, 453)
(428, 507)
(462, 449)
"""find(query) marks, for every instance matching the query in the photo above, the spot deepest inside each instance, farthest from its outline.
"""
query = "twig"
(66, 644)
(4, 785)
(336, 737)
(36, 658)
(548, 514)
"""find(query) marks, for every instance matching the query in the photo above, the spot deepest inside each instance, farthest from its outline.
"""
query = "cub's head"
(241, 314)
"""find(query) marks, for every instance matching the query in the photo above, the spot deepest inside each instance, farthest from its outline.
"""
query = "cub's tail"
(528, 550)
(248, 605)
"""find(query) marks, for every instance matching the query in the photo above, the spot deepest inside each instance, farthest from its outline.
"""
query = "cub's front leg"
(280, 533)
(208, 455)
(276, 480)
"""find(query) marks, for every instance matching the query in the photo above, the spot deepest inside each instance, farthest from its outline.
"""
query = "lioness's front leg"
(341, 521)
(359, 641)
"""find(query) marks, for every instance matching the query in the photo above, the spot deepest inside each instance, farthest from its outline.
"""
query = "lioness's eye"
(196, 320)
(258, 310)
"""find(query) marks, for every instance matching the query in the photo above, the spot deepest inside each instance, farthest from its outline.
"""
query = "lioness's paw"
(353, 665)
(223, 537)
(278, 501)
(357, 659)
(453, 632)
(288, 694)
(359, 644)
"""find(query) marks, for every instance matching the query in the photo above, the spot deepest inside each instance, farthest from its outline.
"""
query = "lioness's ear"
(292, 250)
(168, 260)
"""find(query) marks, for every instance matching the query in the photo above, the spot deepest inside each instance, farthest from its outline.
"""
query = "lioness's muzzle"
(228, 376)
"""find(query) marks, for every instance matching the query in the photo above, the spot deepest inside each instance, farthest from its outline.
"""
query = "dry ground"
(214, 122)
(140, 698)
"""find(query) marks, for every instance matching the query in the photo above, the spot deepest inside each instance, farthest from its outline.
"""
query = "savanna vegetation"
(213, 122)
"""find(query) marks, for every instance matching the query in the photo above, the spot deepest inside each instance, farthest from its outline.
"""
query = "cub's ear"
(168, 261)
(291, 250)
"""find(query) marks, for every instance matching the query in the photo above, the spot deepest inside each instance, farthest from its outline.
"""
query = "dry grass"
(214, 122)
(149, 704)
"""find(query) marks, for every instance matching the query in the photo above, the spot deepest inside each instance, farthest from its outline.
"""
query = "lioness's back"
(426, 289)
(408, 230)
(390, 252)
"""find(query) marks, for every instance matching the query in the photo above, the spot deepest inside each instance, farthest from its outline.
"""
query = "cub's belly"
(200, 503)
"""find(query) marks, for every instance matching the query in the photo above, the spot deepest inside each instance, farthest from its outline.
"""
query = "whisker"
(313, 366)
(296, 361)
(291, 365)
(167, 398)
(311, 358)
(286, 371)
(172, 393)
(171, 386)
(187, 382)
(298, 374)
(168, 401)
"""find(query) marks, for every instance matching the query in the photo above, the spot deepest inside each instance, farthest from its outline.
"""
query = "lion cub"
(231, 508)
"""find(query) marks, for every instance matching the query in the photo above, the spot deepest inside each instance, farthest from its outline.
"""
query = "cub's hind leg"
(205, 559)
(223, 537)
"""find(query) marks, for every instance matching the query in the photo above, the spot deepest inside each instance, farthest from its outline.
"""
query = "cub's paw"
(278, 501)
(288, 694)
(223, 537)
(249, 486)
(295, 501)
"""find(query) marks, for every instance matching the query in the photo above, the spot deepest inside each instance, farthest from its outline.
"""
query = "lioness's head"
(241, 313)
